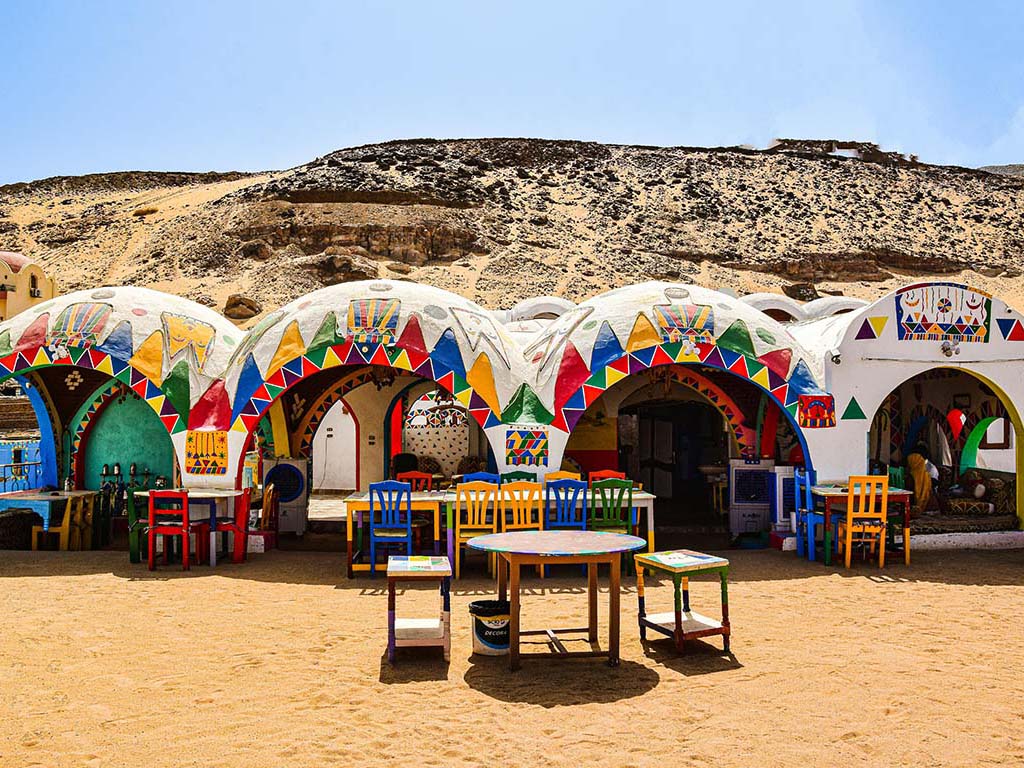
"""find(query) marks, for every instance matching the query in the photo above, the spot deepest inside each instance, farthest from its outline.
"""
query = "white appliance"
(783, 507)
(749, 495)
(291, 480)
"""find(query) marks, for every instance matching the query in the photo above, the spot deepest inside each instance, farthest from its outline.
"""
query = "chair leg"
(373, 557)
(848, 544)
(458, 559)
(881, 549)
(811, 527)
(185, 544)
(37, 531)
(799, 537)
(152, 550)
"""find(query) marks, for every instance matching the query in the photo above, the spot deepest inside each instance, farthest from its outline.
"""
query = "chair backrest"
(481, 477)
(896, 477)
(472, 502)
(518, 475)
(803, 481)
(386, 505)
(551, 477)
(606, 474)
(420, 481)
(168, 503)
(570, 497)
(522, 505)
(242, 505)
(868, 497)
(611, 502)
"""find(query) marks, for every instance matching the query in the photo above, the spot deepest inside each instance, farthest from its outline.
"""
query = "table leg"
(502, 576)
(391, 621)
(592, 598)
(650, 526)
(906, 531)
(213, 532)
(451, 534)
(613, 611)
(828, 530)
(641, 607)
(437, 529)
(348, 539)
(446, 616)
(677, 594)
(513, 623)
(724, 576)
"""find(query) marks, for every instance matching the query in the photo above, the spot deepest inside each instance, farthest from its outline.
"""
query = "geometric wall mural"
(943, 312)
(527, 447)
(206, 453)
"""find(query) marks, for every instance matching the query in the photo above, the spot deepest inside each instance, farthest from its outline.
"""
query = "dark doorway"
(664, 444)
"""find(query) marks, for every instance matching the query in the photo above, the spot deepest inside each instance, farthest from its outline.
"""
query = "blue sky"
(103, 86)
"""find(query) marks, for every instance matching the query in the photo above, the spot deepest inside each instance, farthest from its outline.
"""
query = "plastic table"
(404, 633)
(682, 624)
(530, 548)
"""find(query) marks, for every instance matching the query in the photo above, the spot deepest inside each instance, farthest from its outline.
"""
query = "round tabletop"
(557, 543)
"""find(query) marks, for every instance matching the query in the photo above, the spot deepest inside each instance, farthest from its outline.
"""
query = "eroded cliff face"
(502, 219)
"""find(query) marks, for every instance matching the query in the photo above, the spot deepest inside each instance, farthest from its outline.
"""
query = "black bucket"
(490, 626)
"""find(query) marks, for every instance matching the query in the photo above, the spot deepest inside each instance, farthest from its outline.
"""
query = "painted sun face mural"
(943, 312)
(374, 321)
(79, 325)
(188, 333)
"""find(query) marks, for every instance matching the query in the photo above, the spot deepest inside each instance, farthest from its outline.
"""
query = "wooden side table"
(682, 624)
(404, 633)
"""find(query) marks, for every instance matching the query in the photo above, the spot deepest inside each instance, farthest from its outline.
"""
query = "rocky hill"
(502, 219)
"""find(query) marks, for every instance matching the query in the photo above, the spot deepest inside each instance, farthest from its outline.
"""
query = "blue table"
(41, 502)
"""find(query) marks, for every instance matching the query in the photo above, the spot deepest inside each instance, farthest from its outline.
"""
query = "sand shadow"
(554, 682)
(701, 657)
(413, 665)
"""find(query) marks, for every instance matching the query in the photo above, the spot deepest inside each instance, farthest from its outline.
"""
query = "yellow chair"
(86, 521)
(64, 530)
(867, 510)
(522, 509)
(561, 475)
(474, 504)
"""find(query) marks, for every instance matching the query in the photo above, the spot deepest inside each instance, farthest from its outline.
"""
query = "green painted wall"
(127, 432)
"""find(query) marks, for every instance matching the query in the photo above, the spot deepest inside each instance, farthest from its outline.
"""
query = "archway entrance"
(968, 433)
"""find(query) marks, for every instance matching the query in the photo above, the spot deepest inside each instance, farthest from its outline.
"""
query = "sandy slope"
(279, 662)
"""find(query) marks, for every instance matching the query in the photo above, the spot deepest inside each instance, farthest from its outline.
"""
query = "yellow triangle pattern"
(402, 361)
(41, 358)
(331, 359)
(612, 376)
(761, 377)
(106, 366)
(643, 335)
(878, 324)
(481, 378)
(149, 357)
(291, 347)
(687, 354)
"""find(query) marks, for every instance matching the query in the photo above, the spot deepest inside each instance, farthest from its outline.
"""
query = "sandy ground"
(279, 662)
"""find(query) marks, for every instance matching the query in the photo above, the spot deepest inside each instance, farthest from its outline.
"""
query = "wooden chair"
(476, 514)
(551, 477)
(606, 474)
(86, 522)
(389, 523)
(420, 481)
(238, 524)
(519, 476)
(522, 508)
(611, 508)
(267, 525)
(565, 506)
(867, 510)
(68, 526)
(169, 517)
(481, 477)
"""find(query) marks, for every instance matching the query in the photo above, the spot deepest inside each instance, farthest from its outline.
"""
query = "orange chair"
(168, 517)
(867, 510)
(267, 525)
(551, 477)
(522, 509)
(606, 474)
(238, 524)
(420, 481)
(476, 514)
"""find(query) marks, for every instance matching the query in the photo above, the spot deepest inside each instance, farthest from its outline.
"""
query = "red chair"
(606, 474)
(168, 517)
(238, 524)
(420, 481)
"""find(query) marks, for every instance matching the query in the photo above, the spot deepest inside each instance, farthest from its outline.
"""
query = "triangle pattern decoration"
(853, 411)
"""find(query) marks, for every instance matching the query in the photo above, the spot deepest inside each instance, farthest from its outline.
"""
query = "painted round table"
(591, 548)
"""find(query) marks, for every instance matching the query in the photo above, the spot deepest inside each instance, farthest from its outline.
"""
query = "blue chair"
(569, 510)
(389, 523)
(808, 518)
(481, 477)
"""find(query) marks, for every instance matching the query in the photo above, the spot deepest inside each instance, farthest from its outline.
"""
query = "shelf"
(692, 622)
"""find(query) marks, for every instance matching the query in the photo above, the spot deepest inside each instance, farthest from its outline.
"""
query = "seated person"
(924, 473)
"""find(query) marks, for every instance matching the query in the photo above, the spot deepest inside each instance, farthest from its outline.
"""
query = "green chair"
(611, 508)
(519, 476)
(897, 477)
(137, 524)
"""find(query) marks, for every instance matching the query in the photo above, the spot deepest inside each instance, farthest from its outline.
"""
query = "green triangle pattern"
(737, 338)
(526, 408)
(327, 333)
(853, 410)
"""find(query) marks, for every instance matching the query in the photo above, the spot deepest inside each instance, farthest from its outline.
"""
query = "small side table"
(403, 633)
(683, 624)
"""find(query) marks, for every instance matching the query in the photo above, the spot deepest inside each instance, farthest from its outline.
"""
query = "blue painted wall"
(47, 444)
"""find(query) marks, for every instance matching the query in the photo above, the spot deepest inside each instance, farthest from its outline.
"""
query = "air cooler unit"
(750, 497)
(291, 480)
(782, 500)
